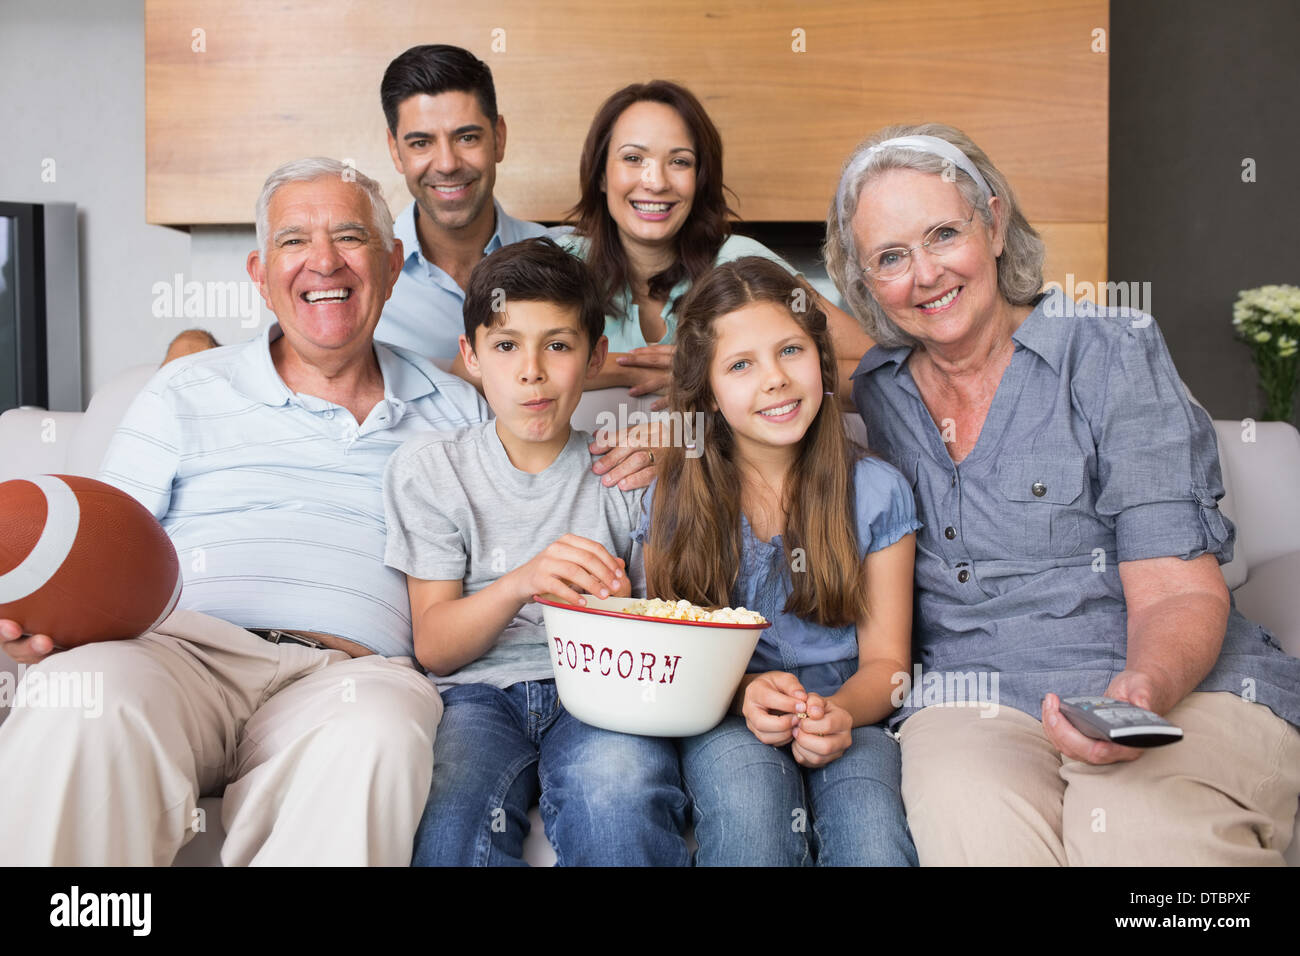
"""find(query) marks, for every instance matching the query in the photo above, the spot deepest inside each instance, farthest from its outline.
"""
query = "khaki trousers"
(323, 759)
(994, 791)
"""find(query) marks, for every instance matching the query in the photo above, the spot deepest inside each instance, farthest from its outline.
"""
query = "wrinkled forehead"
(328, 202)
(900, 205)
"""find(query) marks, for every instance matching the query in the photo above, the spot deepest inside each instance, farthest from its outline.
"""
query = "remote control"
(1119, 722)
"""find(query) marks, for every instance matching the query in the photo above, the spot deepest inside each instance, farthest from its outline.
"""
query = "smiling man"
(446, 138)
(286, 680)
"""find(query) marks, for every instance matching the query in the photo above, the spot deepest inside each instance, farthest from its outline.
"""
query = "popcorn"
(686, 611)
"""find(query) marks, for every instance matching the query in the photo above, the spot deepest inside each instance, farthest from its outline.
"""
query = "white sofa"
(1261, 477)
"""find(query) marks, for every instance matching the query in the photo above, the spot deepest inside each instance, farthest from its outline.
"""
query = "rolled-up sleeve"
(1157, 457)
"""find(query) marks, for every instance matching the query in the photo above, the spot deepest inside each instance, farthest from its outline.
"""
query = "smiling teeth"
(777, 412)
(940, 303)
(338, 295)
(451, 189)
(651, 206)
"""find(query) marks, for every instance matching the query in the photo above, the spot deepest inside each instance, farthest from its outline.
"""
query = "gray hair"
(319, 167)
(1020, 267)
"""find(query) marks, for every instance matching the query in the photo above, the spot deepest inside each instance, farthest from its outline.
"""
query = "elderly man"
(286, 678)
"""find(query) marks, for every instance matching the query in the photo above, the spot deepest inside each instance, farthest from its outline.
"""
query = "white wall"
(72, 90)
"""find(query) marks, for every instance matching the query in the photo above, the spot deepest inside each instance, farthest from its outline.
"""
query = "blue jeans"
(606, 799)
(753, 805)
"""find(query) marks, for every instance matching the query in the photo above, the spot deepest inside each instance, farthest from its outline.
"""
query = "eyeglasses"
(896, 262)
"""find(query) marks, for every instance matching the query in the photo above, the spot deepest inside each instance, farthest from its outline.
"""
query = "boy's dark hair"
(433, 69)
(534, 270)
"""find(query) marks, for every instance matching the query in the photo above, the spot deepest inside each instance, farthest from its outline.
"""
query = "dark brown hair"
(706, 227)
(434, 69)
(694, 547)
(533, 270)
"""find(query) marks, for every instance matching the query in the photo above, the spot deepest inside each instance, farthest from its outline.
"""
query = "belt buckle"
(284, 637)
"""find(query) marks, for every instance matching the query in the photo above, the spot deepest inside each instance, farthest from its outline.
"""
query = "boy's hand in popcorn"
(824, 734)
(771, 704)
(570, 565)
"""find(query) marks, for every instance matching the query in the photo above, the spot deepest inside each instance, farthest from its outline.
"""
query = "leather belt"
(287, 637)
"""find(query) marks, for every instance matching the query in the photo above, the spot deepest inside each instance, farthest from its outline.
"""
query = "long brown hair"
(694, 547)
(705, 229)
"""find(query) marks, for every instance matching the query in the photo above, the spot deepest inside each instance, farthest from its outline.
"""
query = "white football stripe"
(171, 605)
(62, 520)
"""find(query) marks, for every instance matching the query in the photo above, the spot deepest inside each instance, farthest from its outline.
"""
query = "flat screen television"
(40, 307)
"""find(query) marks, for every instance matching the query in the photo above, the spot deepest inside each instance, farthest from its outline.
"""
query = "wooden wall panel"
(295, 78)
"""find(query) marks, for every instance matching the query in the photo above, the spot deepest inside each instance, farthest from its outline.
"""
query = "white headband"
(921, 144)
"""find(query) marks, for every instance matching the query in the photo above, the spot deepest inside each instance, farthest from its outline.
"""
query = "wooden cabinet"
(235, 88)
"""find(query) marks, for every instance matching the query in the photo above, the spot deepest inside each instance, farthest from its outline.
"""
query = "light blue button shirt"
(274, 500)
(425, 312)
(623, 325)
(1091, 455)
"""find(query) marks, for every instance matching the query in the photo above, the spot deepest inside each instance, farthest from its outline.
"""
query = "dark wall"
(1196, 87)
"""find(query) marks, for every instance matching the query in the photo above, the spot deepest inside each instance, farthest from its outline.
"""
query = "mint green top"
(623, 326)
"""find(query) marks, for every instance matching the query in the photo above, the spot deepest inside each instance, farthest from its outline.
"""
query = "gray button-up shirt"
(1091, 454)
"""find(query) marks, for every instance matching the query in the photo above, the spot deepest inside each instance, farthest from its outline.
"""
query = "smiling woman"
(652, 220)
(1071, 545)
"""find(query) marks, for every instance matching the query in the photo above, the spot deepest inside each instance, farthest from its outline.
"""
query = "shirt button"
(950, 532)
(1039, 489)
(963, 575)
(329, 414)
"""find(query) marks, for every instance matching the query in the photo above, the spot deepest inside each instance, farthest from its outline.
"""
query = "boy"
(470, 514)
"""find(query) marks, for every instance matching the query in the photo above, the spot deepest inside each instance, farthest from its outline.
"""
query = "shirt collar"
(1043, 332)
(405, 228)
(407, 376)
(1039, 332)
(878, 355)
(255, 376)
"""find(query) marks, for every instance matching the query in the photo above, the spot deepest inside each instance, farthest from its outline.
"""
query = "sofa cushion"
(1271, 598)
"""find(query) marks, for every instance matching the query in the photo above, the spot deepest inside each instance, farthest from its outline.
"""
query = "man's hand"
(569, 564)
(651, 370)
(823, 735)
(627, 457)
(25, 650)
(1073, 743)
(771, 702)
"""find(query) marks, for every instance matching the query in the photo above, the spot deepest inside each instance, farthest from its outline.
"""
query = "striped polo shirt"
(274, 500)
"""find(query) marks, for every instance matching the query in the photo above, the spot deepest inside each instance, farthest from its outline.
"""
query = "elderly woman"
(1071, 545)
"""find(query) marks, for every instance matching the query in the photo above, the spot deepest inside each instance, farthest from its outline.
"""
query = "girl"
(780, 512)
(652, 220)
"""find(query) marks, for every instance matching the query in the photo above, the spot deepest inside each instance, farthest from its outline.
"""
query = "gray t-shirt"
(457, 509)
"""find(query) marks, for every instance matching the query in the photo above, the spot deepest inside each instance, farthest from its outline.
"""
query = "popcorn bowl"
(644, 675)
